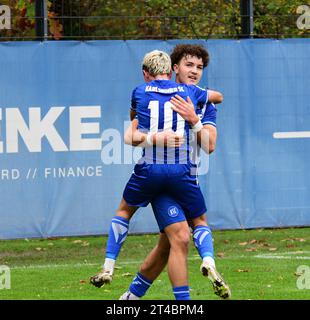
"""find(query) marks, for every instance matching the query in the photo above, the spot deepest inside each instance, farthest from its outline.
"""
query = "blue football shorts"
(168, 211)
(172, 190)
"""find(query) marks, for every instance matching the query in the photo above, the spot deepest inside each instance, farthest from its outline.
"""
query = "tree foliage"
(277, 18)
(153, 19)
(22, 19)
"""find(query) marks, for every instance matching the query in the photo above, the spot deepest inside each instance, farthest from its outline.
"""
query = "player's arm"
(133, 114)
(136, 138)
(185, 109)
(206, 138)
(206, 134)
(215, 96)
(133, 136)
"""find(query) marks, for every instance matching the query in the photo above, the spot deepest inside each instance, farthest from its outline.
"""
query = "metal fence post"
(247, 20)
(41, 20)
(45, 13)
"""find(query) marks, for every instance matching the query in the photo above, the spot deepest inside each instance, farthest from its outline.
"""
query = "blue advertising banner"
(64, 107)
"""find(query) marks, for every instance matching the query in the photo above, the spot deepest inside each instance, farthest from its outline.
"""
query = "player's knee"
(178, 235)
(182, 238)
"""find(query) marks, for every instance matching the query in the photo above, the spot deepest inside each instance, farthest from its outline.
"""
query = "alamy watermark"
(5, 17)
(303, 21)
(115, 151)
(303, 280)
(5, 277)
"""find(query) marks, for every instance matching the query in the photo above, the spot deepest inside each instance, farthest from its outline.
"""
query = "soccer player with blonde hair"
(153, 65)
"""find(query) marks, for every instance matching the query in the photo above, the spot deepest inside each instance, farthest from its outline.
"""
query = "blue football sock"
(117, 235)
(139, 285)
(202, 237)
(181, 293)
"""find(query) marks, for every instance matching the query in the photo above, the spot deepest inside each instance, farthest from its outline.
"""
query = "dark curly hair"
(183, 50)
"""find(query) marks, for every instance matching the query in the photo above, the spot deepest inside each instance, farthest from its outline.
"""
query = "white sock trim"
(109, 265)
(209, 261)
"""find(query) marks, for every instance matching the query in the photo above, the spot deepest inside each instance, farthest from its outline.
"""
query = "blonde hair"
(157, 62)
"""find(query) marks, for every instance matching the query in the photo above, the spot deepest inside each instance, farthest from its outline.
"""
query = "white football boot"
(101, 278)
(220, 287)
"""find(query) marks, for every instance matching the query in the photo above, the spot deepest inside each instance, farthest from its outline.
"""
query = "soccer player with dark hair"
(188, 62)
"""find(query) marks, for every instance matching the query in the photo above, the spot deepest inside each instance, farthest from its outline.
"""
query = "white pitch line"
(291, 135)
(74, 265)
(288, 253)
(78, 265)
(266, 256)
(44, 266)
(285, 255)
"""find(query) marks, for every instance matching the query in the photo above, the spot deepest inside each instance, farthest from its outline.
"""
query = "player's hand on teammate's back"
(168, 138)
(185, 109)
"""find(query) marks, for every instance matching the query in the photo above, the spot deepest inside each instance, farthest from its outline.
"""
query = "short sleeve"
(201, 95)
(209, 115)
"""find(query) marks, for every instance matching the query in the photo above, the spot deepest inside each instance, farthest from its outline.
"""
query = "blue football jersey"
(207, 114)
(151, 101)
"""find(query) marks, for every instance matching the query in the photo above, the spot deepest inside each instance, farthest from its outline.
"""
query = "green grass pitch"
(260, 264)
